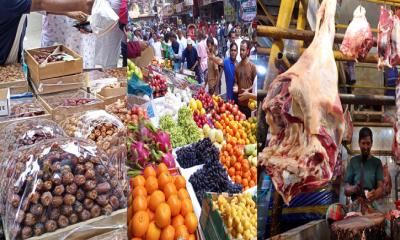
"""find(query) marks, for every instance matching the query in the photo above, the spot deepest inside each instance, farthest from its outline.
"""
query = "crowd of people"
(213, 52)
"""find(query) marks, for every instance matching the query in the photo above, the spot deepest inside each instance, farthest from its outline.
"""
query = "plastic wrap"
(58, 183)
(70, 99)
(106, 130)
(21, 135)
(25, 107)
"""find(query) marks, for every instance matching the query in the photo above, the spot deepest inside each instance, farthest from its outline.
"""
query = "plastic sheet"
(106, 130)
(58, 183)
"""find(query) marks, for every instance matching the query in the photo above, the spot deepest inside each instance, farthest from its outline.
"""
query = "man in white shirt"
(157, 47)
(181, 39)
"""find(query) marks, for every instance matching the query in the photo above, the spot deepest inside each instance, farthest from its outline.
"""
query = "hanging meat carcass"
(305, 116)
(358, 39)
(396, 140)
(385, 27)
(395, 38)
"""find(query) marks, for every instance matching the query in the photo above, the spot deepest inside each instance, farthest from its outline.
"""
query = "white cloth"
(58, 29)
(157, 49)
(108, 46)
(13, 55)
(183, 42)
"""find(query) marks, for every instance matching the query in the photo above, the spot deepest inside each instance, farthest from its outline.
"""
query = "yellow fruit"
(199, 105)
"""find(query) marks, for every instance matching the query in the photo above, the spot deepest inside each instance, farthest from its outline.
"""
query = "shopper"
(228, 64)
(212, 81)
(176, 52)
(190, 56)
(157, 47)
(13, 22)
(202, 51)
(181, 39)
(245, 74)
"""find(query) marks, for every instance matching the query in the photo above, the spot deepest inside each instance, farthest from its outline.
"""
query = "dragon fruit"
(163, 141)
(169, 160)
(140, 154)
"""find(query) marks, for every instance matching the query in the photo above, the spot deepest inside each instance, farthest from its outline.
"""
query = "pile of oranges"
(160, 207)
(233, 130)
(239, 169)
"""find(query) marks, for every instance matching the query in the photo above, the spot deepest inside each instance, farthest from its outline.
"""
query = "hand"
(235, 89)
(372, 195)
(80, 16)
(352, 189)
(245, 95)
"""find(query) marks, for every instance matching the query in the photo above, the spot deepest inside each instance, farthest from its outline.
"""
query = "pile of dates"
(12, 72)
(27, 108)
(59, 183)
(119, 73)
(77, 102)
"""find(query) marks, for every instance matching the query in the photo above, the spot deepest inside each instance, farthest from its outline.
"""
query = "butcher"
(13, 21)
(363, 182)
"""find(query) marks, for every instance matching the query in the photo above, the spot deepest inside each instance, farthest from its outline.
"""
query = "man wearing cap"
(192, 58)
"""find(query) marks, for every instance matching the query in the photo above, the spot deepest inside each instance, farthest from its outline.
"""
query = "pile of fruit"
(146, 145)
(120, 109)
(212, 178)
(134, 70)
(216, 135)
(196, 154)
(205, 99)
(183, 132)
(251, 154)
(159, 86)
(239, 215)
(238, 167)
(199, 113)
(160, 207)
(252, 104)
(220, 107)
(233, 130)
(250, 127)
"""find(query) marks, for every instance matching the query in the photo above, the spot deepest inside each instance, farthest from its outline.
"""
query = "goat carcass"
(305, 116)
(358, 39)
(385, 27)
(396, 140)
(395, 38)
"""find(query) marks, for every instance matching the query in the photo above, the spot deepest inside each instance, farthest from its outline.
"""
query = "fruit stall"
(191, 161)
(63, 154)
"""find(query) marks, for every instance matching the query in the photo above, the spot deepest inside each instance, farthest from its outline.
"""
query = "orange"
(138, 181)
(139, 224)
(245, 166)
(139, 204)
(149, 171)
(253, 171)
(151, 184)
(139, 191)
(231, 171)
(162, 168)
(156, 198)
(163, 179)
(153, 232)
(183, 194)
(168, 233)
(192, 237)
(191, 222)
(151, 214)
(177, 221)
(181, 232)
(180, 182)
(252, 183)
(175, 205)
(169, 190)
(186, 207)
(163, 215)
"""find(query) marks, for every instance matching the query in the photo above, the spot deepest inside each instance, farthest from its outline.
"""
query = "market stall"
(63, 173)
(191, 156)
(352, 70)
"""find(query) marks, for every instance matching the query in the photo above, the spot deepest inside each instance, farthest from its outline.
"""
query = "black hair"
(247, 42)
(210, 40)
(230, 33)
(233, 44)
(365, 132)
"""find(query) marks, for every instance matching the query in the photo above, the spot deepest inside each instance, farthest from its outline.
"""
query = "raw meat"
(385, 27)
(358, 39)
(396, 140)
(305, 116)
(395, 37)
(387, 180)
(348, 130)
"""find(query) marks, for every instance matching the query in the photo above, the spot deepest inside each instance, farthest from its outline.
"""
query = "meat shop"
(329, 149)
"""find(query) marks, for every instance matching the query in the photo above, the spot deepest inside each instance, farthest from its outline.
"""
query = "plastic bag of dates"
(58, 183)
(106, 130)
(21, 135)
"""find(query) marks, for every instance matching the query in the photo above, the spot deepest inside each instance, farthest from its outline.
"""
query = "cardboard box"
(54, 69)
(4, 102)
(59, 84)
(54, 103)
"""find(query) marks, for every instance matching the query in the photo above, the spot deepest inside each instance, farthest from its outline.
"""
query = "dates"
(11, 72)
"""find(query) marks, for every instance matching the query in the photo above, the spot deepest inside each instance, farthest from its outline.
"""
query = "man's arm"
(376, 193)
(61, 6)
(217, 60)
(350, 189)
(235, 85)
